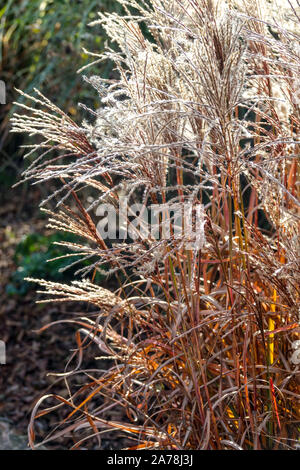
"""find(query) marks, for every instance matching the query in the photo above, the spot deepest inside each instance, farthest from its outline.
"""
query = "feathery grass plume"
(203, 330)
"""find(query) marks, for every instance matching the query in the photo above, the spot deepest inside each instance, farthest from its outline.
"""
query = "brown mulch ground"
(30, 356)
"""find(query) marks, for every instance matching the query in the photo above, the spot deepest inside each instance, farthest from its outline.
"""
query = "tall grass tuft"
(202, 331)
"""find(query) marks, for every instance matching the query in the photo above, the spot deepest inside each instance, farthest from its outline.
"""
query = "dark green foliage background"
(41, 45)
(32, 258)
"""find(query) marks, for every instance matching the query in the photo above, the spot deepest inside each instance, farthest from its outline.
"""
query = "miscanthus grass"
(202, 332)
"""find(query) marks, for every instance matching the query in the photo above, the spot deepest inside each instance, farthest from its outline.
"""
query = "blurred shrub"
(41, 47)
(31, 257)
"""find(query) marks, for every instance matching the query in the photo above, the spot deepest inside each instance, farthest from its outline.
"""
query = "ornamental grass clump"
(201, 324)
